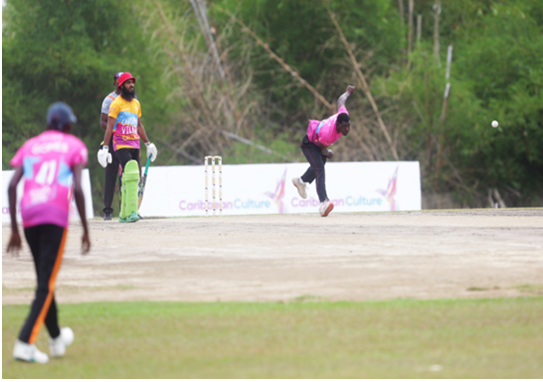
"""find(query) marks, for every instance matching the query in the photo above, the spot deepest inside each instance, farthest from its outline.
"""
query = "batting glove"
(104, 157)
(151, 150)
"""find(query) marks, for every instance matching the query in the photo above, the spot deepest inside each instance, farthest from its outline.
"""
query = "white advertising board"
(85, 184)
(267, 189)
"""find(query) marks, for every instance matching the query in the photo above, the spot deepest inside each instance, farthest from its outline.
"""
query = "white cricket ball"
(494, 124)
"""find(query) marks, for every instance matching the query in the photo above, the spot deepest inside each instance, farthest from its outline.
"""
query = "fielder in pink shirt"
(48, 163)
(320, 136)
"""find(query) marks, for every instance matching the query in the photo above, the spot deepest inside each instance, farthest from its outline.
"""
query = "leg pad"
(130, 179)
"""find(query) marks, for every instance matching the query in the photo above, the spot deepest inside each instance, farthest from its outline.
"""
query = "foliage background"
(66, 50)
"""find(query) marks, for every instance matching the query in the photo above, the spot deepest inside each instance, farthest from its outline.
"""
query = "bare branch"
(362, 79)
(283, 63)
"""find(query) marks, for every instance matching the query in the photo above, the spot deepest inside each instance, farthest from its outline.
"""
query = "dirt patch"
(424, 255)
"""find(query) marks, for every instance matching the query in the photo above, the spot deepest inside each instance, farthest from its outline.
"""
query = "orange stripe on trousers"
(41, 317)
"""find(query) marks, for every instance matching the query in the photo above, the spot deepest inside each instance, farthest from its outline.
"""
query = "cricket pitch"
(355, 257)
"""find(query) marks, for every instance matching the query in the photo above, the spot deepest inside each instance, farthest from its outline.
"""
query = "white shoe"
(29, 353)
(57, 346)
(325, 208)
(301, 186)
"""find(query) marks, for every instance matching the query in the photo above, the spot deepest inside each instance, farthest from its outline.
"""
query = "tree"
(62, 50)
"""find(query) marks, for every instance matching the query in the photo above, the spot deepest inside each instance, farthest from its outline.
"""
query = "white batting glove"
(151, 150)
(104, 157)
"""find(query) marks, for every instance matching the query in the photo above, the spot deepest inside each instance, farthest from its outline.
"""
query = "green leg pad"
(130, 179)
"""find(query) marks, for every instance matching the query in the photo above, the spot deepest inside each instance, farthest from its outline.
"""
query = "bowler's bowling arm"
(343, 98)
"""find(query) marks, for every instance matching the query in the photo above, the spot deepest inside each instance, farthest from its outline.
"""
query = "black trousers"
(112, 170)
(125, 155)
(46, 243)
(316, 161)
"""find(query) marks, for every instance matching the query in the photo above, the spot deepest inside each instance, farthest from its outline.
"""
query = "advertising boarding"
(85, 184)
(268, 189)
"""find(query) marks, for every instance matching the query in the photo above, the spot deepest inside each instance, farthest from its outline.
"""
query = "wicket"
(206, 162)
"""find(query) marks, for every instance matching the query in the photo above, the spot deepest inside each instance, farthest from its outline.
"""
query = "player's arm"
(103, 121)
(104, 157)
(80, 204)
(343, 98)
(109, 129)
(151, 148)
(141, 132)
(325, 151)
(14, 244)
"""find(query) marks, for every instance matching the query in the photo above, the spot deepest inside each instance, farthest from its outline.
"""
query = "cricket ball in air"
(494, 124)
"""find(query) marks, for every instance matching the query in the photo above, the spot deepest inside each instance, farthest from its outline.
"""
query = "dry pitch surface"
(423, 255)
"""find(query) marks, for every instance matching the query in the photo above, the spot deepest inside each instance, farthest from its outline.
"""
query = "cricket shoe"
(108, 216)
(301, 186)
(57, 346)
(325, 208)
(130, 219)
(28, 353)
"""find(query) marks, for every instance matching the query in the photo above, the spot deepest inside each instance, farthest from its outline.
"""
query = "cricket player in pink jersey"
(48, 163)
(320, 136)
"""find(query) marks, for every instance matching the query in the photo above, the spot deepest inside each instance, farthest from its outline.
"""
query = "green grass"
(474, 338)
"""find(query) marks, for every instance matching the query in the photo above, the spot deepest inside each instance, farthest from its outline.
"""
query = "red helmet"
(125, 77)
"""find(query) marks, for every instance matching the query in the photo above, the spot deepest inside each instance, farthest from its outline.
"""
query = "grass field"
(471, 338)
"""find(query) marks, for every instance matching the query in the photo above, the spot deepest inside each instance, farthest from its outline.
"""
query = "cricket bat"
(143, 180)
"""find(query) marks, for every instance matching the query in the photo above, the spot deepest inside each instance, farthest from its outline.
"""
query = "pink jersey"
(325, 131)
(47, 161)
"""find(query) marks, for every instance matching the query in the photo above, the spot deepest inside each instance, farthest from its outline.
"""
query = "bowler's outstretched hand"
(350, 89)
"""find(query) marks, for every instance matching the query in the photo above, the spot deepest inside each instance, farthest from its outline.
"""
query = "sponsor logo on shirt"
(127, 119)
(46, 147)
(123, 129)
(41, 195)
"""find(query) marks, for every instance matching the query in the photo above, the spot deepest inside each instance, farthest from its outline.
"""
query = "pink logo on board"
(390, 191)
(279, 193)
